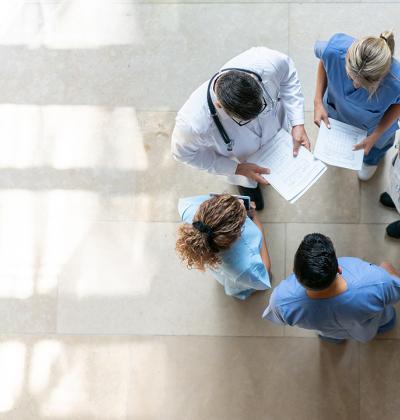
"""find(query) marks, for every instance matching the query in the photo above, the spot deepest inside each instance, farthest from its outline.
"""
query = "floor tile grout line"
(256, 2)
(225, 2)
(139, 336)
(127, 336)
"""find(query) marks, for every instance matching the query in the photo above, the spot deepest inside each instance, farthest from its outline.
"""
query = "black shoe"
(255, 195)
(393, 230)
(386, 200)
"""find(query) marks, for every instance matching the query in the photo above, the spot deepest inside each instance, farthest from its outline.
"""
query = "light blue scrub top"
(350, 105)
(241, 271)
(356, 313)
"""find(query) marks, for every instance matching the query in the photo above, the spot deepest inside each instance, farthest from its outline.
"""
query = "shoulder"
(340, 41)
(352, 261)
(250, 232)
(243, 256)
(288, 291)
(337, 46)
(393, 78)
(357, 265)
(261, 60)
(194, 115)
(188, 206)
(362, 274)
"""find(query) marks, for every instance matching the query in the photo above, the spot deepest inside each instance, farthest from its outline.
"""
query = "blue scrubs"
(241, 271)
(353, 106)
(360, 312)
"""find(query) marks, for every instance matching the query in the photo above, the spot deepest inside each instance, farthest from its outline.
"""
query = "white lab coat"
(395, 183)
(196, 140)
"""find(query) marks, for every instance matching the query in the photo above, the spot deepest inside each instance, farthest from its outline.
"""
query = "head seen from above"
(369, 59)
(240, 94)
(216, 225)
(315, 262)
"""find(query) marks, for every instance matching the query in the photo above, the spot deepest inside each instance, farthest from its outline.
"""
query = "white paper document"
(335, 145)
(290, 176)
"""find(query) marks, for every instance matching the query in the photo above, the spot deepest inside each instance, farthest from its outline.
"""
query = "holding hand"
(367, 144)
(252, 211)
(320, 114)
(253, 172)
(300, 138)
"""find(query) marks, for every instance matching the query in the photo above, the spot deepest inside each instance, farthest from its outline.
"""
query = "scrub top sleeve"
(183, 207)
(187, 207)
(290, 91)
(391, 289)
(273, 314)
(319, 48)
(189, 148)
(256, 277)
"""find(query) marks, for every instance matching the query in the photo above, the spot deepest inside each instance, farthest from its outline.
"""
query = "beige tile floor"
(98, 318)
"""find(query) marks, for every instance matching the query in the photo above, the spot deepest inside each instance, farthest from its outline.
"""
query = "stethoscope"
(271, 104)
(397, 186)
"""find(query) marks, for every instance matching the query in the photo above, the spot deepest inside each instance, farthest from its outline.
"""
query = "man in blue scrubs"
(358, 83)
(338, 298)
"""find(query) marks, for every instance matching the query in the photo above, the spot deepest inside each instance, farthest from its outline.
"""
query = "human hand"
(300, 138)
(253, 172)
(367, 144)
(320, 114)
(386, 265)
(252, 210)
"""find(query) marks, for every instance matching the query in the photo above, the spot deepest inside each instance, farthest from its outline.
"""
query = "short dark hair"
(240, 94)
(315, 262)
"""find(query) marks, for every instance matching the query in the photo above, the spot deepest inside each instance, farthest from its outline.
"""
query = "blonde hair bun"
(369, 59)
(388, 37)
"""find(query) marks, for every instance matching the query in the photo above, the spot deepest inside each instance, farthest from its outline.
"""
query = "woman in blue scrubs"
(358, 83)
(218, 235)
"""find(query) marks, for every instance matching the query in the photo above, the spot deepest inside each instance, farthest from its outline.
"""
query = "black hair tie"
(203, 228)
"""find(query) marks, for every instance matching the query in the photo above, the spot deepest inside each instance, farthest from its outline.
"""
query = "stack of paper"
(290, 176)
(335, 145)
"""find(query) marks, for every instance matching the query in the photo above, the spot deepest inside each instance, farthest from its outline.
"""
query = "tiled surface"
(125, 278)
(379, 379)
(64, 377)
(55, 377)
(88, 67)
(88, 194)
(232, 378)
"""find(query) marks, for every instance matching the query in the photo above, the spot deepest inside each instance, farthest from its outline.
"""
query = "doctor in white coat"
(392, 199)
(231, 116)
